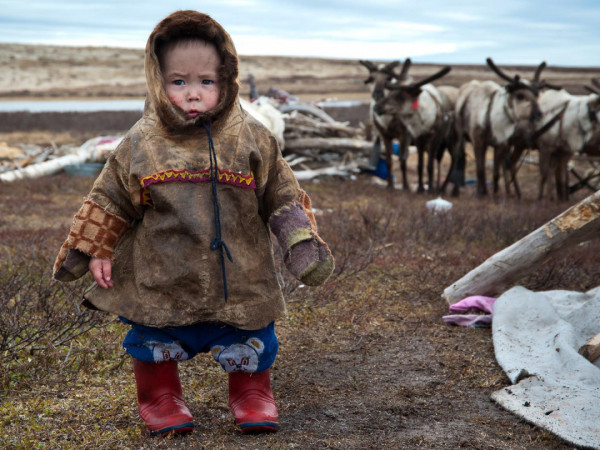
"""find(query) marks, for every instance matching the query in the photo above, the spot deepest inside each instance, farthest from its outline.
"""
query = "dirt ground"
(365, 361)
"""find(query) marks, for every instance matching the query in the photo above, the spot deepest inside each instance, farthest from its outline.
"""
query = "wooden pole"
(499, 272)
(591, 349)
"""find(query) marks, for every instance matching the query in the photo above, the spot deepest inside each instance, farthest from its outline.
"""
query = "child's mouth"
(193, 113)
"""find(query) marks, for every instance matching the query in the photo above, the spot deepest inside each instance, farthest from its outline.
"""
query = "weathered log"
(328, 144)
(591, 349)
(579, 223)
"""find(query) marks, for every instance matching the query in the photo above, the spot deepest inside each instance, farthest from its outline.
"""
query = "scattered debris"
(438, 205)
(38, 162)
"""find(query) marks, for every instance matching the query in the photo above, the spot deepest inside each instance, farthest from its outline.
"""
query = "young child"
(176, 231)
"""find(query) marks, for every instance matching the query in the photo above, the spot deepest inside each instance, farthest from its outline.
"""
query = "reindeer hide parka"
(152, 210)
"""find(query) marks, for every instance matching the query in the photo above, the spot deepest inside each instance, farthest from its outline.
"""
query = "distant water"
(341, 103)
(35, 106)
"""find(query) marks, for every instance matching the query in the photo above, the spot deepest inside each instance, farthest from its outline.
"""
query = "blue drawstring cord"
(217, 243)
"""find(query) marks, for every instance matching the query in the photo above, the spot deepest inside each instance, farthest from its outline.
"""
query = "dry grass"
(365, 360)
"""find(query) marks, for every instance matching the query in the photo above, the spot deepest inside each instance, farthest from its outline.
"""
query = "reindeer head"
(594, 104)
(401, 97)
(380, 74)
(523, 94)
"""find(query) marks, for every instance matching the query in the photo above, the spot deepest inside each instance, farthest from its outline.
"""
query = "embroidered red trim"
(193, 176)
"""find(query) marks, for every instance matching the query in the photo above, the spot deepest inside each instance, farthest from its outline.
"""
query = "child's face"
(190, 72)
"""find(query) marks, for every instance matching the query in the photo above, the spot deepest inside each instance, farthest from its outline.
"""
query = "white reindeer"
(422, 109)
(488, 114)
(577, 131)
(388, 129)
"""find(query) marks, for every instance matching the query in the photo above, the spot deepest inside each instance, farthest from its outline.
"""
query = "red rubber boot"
(251, 402)
(160, 400)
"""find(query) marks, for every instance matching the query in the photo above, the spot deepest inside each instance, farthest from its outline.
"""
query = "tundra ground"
(365, 361)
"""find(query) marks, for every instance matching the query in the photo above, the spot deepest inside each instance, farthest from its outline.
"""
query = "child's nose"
(193, 93)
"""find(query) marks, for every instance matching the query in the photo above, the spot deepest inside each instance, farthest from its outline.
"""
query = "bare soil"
(365, 361)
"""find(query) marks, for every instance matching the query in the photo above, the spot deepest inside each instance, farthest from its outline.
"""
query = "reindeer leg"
(451, 171)
(431, 150)
(420, 152)
(505, 165)
(480, 148)
(562, 175)
(403, 154)
(553, 170)
(499, 155)
(388, 160)
(457, 167)
(515, 157)
(544, 162)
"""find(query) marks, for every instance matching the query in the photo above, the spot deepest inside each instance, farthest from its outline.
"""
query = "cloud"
(461, 31)
(248, 45)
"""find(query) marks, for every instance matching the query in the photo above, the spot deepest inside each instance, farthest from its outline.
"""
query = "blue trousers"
(235, 349)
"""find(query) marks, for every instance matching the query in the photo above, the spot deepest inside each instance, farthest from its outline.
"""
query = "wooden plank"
(591, 349)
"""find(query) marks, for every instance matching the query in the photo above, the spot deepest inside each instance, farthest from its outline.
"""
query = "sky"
(560, 32)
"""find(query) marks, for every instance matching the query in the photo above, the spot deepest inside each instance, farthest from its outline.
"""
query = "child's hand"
(101, 270)
(310, 262)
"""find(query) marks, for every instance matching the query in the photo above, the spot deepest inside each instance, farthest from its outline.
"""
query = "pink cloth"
(476, 303)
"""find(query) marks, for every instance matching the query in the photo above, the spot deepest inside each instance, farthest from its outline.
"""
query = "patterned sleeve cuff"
(94, 232)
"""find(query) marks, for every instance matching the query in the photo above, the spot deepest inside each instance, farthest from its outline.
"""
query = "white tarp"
(536, 337)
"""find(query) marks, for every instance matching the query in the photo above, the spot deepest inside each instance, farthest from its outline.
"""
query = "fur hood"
(190, 24)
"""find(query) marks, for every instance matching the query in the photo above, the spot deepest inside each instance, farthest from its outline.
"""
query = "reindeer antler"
(389, 68)
(501, 74)
(537, 84)
(368, 64)
(538, 71)
(404, 71)
(432, 78)
(593, 90)
(414, 88)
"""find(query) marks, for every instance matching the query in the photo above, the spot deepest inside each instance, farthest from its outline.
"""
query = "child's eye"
(207, 82)
(178, 82)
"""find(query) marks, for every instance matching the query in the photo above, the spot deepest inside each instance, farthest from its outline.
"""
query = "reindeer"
(450, 143)
(387, 129)
(488, 114)
(577, 131)
(420, 108)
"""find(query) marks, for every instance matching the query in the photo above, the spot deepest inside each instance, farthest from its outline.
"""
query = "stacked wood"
(317, 145)
(313, 143)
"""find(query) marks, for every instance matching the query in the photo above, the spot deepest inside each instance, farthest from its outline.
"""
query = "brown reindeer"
(422, 110)
(387, 129)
